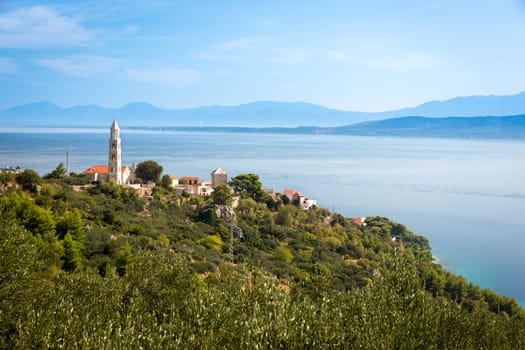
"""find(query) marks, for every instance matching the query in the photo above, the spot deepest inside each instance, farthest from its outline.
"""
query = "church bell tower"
(115, 158)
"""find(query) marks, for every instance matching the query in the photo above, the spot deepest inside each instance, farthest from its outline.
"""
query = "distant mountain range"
(256, 114)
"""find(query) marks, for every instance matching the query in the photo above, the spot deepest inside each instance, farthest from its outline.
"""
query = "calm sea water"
(467, 197)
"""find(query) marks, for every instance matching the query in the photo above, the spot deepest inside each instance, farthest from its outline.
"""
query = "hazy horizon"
(242, 104)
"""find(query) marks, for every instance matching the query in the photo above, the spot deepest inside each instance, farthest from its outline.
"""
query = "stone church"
(113, 172)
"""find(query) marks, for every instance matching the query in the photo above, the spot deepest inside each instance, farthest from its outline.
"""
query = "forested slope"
(104, 268)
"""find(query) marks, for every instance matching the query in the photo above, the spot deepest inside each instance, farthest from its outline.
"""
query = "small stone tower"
(115, 155)
(218, 176)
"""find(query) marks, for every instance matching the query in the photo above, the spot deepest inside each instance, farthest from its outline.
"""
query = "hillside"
(512, 127)
(465, 106)
(101, 267)
(256, 114)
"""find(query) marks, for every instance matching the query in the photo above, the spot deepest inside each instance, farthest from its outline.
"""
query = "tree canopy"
(58, 173)
(166, 181)
(104, 268)
(248, 186)
(29, 180)
(221, 195)
(148, 170)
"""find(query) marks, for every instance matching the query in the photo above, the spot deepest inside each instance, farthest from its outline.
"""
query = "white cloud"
(171, 77)
(232, 50)
(40, 26)
(412, 61)
(338, 55)
(212, 56)
(239, 44)
(380, 59)
(81, 65)
(351, 50)
(7, 65)
(255, 48)
(286, 55)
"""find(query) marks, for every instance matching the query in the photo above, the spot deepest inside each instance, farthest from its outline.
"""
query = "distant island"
(512, 127)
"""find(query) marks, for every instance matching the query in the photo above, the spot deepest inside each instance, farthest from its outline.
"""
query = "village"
(125, 175)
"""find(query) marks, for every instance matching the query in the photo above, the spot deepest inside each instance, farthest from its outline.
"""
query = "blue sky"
(354, 55)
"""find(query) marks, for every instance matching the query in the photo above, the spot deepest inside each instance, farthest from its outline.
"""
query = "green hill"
(101, 267)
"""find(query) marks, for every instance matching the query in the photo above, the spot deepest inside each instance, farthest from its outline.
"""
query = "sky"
(354, 55)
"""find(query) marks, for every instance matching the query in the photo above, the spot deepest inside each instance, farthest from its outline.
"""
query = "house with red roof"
(189, 180)
(290, 194)
(299, 199)
(361, 221)
(101, 172)
(194, 186)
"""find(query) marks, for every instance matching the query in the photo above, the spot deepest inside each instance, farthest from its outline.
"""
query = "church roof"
(218, 171)
(101, 169)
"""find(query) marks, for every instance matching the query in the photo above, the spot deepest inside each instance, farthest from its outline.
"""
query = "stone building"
(115, 155)
(218, 176)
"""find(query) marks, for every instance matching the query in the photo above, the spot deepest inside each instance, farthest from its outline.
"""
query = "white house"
(173, 181)
(307, 203)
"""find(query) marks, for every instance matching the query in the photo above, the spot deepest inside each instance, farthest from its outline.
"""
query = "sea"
(466, 196)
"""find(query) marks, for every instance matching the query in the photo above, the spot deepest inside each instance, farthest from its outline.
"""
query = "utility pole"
(67, 162)
(231, 242)
(235, 232)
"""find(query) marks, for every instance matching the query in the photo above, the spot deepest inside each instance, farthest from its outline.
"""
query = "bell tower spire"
(115, 155)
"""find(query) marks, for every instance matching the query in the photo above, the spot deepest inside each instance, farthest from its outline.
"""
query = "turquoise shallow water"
(466, 196)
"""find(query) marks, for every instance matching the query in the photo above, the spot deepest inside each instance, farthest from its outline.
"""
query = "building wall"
(217, 179)
(126, 174)
(115, 155)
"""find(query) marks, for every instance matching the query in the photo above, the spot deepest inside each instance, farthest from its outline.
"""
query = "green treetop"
(58, 173)
(149, 170)
(248, 186)
(221, 195)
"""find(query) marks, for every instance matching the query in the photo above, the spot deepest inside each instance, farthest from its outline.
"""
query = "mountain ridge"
(253, 114)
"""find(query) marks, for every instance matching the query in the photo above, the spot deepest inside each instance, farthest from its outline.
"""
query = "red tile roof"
(360, 221)
(292, 193)
(100, 169)
(190, 178)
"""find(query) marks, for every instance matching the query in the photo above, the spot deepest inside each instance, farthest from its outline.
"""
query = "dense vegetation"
(100, 267)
